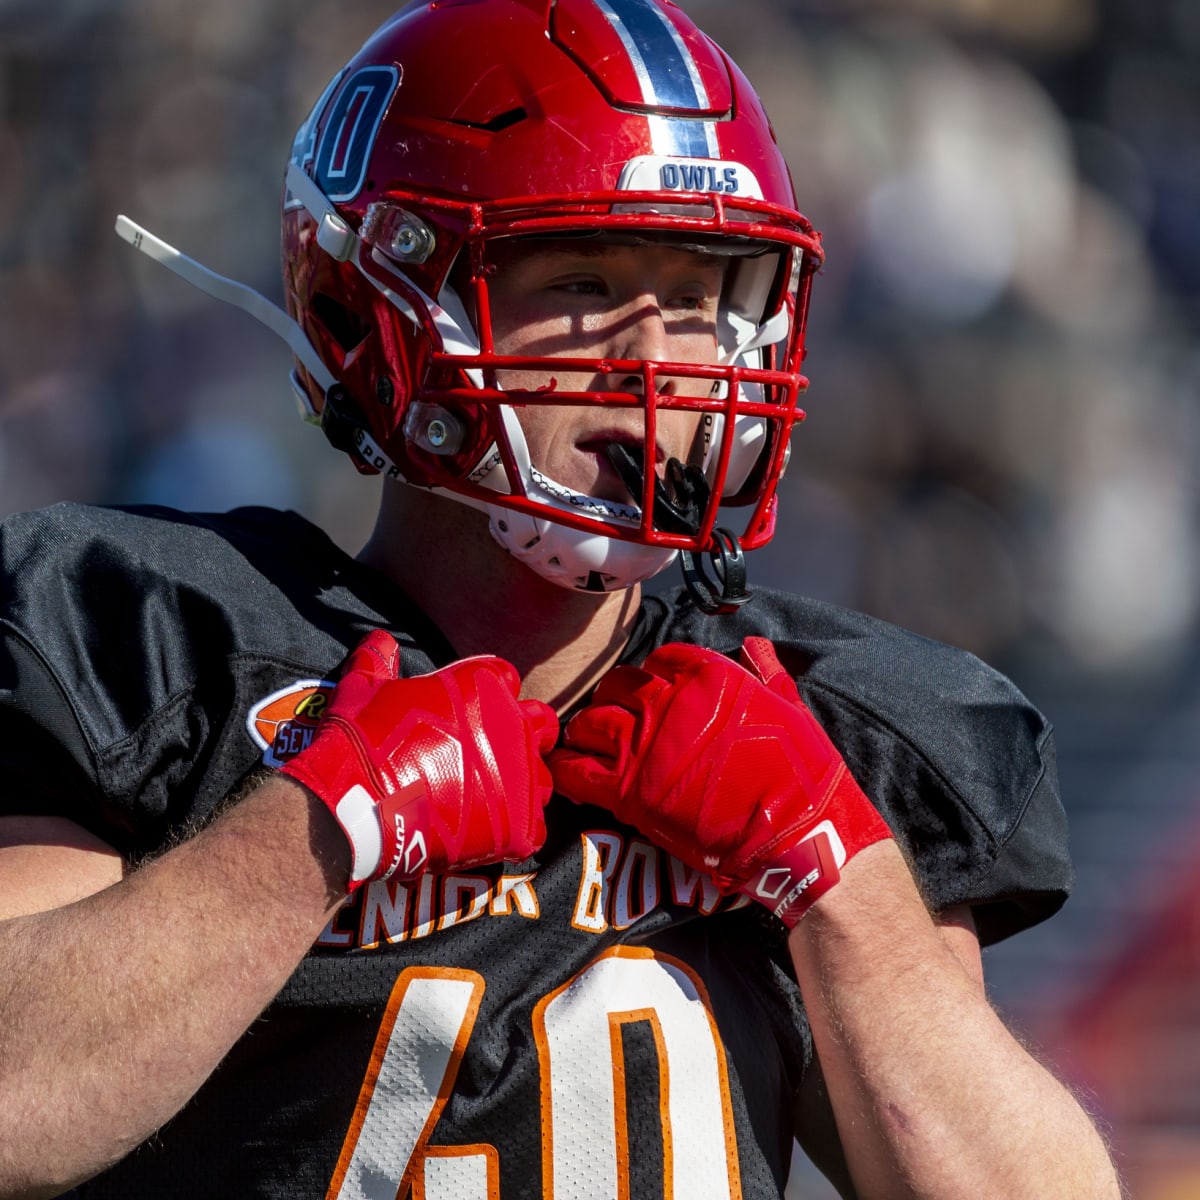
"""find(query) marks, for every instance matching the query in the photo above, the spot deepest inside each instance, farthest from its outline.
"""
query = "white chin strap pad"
(576, 558)
(579, 559)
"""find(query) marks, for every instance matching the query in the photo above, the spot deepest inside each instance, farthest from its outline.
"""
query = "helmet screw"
(437, 433)
(406, 240)
(412, 241)
(385, 393)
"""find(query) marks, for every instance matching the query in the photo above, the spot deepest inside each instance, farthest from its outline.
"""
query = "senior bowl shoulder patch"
(284, 722)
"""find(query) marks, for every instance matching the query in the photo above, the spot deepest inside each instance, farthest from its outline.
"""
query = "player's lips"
(598, 443)
(595, 447)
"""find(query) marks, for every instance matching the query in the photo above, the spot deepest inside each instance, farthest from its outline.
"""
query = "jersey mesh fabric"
(133, 646)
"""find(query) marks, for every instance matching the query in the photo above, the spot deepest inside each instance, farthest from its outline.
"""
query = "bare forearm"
(115, 1009)
(933, 1096)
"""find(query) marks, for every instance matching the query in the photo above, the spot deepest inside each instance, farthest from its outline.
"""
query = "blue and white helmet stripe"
(668, 76)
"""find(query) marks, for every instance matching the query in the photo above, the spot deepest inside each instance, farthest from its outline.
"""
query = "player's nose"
(640, 333)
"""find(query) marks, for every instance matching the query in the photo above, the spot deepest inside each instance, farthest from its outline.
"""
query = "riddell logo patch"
(284, 722)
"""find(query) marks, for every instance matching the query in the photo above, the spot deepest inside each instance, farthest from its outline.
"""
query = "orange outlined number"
(420, 1044)
(577, 1028)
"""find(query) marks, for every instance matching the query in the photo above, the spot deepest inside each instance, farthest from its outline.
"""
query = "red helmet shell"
(478, 115)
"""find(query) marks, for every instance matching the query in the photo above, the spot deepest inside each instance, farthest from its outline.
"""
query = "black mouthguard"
(679, 500)
(679, 505)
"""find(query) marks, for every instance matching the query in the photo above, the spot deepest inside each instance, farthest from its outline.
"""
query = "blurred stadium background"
(1003, 438)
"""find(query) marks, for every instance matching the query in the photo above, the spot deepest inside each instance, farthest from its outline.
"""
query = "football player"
(462, 868)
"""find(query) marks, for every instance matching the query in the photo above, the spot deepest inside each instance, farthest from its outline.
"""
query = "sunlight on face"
(597, 300)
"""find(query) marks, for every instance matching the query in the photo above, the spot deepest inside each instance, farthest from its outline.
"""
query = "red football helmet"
(463, 122)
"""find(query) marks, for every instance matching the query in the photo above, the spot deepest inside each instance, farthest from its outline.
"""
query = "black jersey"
(596, 1021)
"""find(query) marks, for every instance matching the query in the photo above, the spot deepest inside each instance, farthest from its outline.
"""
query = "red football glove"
(725, 767)
(432, 772)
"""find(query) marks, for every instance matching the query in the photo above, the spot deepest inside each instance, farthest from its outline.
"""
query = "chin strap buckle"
(728, 592)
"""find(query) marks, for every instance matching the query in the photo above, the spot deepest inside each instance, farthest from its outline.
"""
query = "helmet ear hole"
(344, 326)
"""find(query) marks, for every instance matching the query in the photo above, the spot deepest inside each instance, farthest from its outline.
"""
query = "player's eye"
(584, 286)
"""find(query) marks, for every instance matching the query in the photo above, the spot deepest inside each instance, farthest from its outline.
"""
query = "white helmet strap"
(569, 556)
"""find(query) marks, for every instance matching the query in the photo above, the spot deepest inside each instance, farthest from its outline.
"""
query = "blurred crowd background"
(1003, 435)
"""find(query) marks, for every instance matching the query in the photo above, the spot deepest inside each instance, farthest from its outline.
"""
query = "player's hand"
(724, 766)
(431, 772)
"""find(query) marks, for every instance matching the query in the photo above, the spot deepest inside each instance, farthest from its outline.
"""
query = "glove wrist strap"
(792, 883)
(795, 879)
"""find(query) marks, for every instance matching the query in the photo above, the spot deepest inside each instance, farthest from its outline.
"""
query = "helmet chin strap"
(574, 558)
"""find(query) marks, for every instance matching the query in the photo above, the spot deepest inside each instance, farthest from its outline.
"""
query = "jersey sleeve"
(100, 720)
(954, 756)
(977, 809)
(136, 792)
(119, 667)
(46, 763)
(137, 645)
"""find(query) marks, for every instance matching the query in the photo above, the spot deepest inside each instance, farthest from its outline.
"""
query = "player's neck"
(486, 602)
(560, 642)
